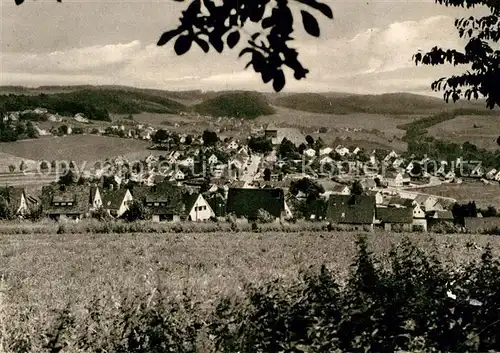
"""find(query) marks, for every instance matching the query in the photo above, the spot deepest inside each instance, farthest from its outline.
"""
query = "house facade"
(246, 202)
(354, 210)
(116, 202)
(197, 208)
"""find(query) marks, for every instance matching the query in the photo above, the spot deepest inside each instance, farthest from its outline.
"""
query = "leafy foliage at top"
(248, 105)
(479, 54)
(219, 25)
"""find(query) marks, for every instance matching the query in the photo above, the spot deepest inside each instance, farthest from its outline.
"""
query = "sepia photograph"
(250, 176)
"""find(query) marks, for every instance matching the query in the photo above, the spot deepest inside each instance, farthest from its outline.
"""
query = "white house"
(326, 160)
(326, 150)
(213, 159)
(280, 163)
(478, 172)
(491, 174)
(429, 202)
(450, 175)
(80, 118)
(116, 203)
(310, 152)
(198, 208)
(218, 170)
(179, 175)
(237, 163)
(410, 167)
(497, 176)
(342, 150)
(419, 216)
(391, 155)
(95, 198)
(151, 159)
(188, 162)
(233, 145)
(174, 155)
(356, 150)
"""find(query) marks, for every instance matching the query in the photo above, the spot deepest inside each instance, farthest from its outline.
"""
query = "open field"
(48, 271)
(77, 148)
(484, 195)
(387, 136)
(479, 130)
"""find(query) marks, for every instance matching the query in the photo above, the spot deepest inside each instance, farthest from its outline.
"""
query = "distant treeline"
(450, 151)
(94, 104)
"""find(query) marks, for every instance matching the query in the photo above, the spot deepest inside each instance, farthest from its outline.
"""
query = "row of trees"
(18, 130)
(450, 151)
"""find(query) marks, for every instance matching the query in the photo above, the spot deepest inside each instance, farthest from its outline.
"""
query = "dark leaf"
(267, 22)
(233, 38)
(193, 8)
(202, 44)
(246, 51)
(266, 75)
(255, 36)
(167, 36)
(258, 62)
(182, 44)
(216, 42)
(19, 2)
(257, 13)
(279, 81)
(310, 23)
(324, 9)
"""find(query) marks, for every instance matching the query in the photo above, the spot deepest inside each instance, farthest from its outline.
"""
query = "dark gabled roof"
(79, 195)
(189, 201)
(166, 193)
(401, 201)
(139, 192)
(93, 192)
(351, 209)
(13, 196)
(112, 199)
(446, 215)
(218, 204)
(395, 215)
(247, 202)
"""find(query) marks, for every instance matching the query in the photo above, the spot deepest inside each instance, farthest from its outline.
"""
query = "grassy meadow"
(76, 148)
(41, 273)
(483, 195)
(479, 130)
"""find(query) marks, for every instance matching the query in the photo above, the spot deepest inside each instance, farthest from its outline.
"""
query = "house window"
(56, 203)
(343, 214)
(63, 203)
(157, 204)
(70, 203)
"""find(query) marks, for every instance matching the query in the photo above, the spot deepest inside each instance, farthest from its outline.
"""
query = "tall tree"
(357, 188)
(483, 34)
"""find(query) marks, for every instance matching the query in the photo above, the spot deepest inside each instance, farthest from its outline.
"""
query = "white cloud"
(70, 61)
(375, 60)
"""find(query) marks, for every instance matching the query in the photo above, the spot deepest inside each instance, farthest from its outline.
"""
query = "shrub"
(136, 212)
(264, 217)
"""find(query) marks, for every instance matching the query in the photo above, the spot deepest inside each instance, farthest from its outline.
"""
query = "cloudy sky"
(367, 48)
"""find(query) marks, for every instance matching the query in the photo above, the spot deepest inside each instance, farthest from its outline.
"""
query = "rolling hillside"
(129, 100)
(238, 104)
(93, 103)
(393, 103)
